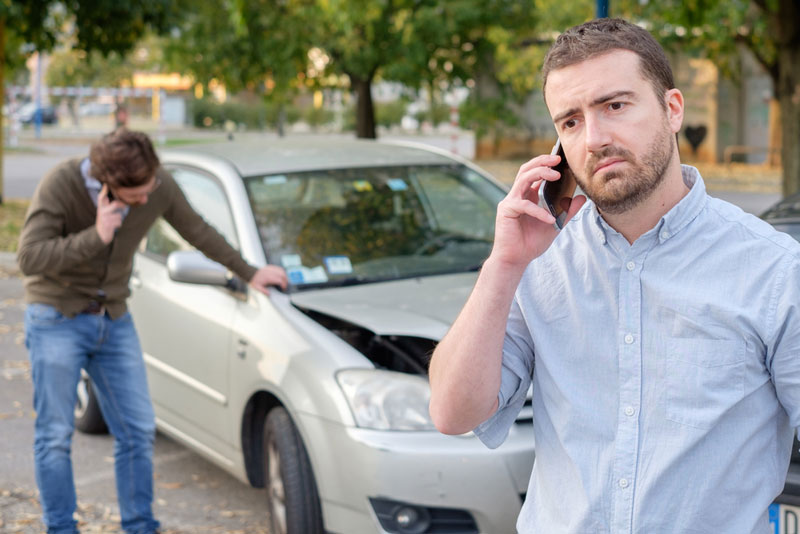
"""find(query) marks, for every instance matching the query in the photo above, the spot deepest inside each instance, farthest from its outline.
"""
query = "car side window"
(206, 195)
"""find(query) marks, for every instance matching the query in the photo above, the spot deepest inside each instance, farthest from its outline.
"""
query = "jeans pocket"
(704, 379)
(44, 315)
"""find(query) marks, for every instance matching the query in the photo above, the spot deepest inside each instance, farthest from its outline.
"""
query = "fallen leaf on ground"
(170, 485)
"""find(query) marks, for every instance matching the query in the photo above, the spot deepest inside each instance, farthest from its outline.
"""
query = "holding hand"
(523, 229)
(109, 215)
(269, 275)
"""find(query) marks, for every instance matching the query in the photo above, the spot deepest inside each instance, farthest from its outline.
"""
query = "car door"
(185, 329)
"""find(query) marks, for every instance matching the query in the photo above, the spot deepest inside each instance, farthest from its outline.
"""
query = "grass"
(191, 141)
(12, 214)
(22, 150)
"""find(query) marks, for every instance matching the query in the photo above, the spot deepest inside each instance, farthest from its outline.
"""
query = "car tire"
(88, 417)
(292, 498)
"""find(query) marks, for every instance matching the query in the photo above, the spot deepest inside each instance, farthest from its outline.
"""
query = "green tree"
(256, 45)
(104, 25)
(495, 47)
(770, 29)
(314, 43)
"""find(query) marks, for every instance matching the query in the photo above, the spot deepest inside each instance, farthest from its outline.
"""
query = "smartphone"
(551, 193)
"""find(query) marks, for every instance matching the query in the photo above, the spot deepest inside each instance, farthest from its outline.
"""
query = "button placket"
(630, 384)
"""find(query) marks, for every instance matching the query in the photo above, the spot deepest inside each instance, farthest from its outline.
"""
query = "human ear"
(673, 99)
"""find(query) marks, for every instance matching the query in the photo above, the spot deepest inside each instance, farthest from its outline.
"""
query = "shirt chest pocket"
(704, 378)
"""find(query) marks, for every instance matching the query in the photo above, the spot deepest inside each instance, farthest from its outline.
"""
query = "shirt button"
(664, 235)
(629, 410)
(623, 483)
(628, 339)
(630, 265)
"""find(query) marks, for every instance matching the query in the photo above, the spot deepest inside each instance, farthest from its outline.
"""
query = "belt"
(94, 308)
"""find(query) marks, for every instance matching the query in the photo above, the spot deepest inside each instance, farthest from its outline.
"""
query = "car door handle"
(241, 350)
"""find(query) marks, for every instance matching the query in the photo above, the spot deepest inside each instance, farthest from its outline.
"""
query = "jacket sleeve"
(44, 245)
(201, 235)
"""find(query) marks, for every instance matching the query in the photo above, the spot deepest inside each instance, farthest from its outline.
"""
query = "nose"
(598, 135)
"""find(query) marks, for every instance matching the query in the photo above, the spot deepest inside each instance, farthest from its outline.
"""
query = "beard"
(620, 190)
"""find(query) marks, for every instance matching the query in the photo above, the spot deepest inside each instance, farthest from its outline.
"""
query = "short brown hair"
(123, 158)
(601, 36)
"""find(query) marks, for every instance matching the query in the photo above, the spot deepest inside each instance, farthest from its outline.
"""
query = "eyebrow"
(597, 101)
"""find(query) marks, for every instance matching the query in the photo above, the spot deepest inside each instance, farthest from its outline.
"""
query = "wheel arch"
(252, 434)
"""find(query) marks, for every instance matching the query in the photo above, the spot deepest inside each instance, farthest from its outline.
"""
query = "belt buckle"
(95, 308)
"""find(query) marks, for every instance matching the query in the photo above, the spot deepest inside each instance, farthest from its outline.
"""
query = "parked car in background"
(785, 512)
(96, 108)
(320, 393)
(26, 114)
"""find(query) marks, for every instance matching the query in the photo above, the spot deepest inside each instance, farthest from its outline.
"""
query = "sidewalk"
(8, 263)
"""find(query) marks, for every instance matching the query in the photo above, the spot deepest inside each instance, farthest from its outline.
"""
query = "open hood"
(420, 307)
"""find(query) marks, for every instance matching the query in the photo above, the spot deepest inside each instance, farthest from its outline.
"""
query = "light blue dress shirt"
(666, 374)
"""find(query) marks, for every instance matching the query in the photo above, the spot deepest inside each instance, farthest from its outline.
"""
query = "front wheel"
(88, 417)
(292, 497)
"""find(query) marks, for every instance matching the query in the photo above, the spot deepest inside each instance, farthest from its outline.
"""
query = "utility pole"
(38, 97)
(602, 9)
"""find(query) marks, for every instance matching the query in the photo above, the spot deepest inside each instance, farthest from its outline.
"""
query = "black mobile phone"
(552, 193)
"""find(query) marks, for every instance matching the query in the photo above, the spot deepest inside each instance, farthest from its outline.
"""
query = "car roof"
(271, 156)
(788, 208)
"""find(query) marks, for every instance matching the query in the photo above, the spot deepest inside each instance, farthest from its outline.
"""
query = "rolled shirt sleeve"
(518, 361)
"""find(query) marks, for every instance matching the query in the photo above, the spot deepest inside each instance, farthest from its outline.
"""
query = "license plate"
(784, 519)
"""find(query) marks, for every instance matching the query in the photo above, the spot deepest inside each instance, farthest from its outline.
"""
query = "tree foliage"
(314, 43)
(103, 25)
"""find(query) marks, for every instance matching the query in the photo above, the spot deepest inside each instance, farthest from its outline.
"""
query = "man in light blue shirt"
(660, 329)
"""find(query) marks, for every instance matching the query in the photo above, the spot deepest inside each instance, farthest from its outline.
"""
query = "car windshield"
(350, 226)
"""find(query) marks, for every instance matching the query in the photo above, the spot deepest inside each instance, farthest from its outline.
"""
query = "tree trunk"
(365, 111)
(790, 120)
(2, 96)
(281, 119)
(788, 92)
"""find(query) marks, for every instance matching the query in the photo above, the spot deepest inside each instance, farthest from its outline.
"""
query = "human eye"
(568, 124)
(616, 106)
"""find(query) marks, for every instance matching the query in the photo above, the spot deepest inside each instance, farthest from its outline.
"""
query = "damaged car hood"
(421, 307)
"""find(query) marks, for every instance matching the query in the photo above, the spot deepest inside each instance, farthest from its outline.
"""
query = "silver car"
(321, 393)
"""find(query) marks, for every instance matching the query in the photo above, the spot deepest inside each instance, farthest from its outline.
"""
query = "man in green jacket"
(76, 250)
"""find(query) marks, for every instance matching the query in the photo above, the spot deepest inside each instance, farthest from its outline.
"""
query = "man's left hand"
(269, 275)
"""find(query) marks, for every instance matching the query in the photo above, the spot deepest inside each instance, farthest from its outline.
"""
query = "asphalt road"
(191, 494)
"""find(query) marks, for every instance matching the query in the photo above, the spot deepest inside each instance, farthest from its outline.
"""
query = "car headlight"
(387, 400)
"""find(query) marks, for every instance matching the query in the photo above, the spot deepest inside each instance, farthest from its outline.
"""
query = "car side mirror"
(193, 267)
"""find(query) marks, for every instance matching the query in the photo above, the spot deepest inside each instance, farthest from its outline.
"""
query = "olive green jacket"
(67, 265)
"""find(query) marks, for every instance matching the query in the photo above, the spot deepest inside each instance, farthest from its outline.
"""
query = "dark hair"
(123, 158)
(601, 36)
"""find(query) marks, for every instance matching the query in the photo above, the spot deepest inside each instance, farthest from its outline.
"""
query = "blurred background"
(463, 74)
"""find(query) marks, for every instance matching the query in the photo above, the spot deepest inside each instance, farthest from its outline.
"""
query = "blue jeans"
(109, 350)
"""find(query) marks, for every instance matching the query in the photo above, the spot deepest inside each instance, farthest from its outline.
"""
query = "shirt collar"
(675, 219)
(93, 186)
